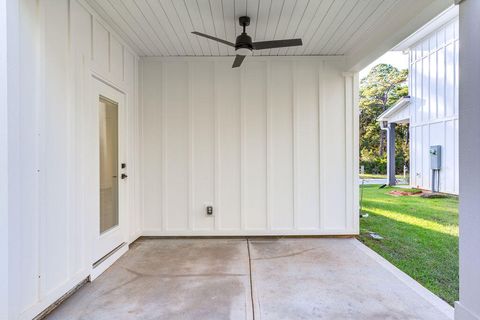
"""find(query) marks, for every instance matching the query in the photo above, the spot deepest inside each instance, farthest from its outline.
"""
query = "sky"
(395, 58)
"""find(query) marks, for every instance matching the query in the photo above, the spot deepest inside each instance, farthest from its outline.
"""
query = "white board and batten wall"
(433, 84)
(63, 45)
(270, 145)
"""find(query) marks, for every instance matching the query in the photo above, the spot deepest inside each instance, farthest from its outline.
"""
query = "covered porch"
(119, 123)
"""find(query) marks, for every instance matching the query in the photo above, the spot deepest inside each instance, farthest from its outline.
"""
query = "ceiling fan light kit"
(244, 51)
(244, 45)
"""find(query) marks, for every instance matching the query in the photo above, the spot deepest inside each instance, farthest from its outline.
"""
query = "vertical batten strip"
(419, 116)
(321, 137)
(295, 161)
(134, 158)
(132, 153)
(242, 149)
(71, 138)
(444, 142)
(421, 156)
(216, 147)
(269, 146)
(444, 97)
(81, 198)
(141, 145)
(124, 156)
(319, 127)
(138, 158)
(136, 151)
(428, 101)
(163, 148)
(40, 179)
(436, 77)
(190, 152)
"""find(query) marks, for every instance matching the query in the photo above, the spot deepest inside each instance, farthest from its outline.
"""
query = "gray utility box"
(435, 157)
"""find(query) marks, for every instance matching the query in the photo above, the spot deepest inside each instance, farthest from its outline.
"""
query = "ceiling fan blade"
(238, 61)
(277, 44)
(228, 43)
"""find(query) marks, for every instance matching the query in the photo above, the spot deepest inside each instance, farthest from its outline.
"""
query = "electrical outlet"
(209, 209)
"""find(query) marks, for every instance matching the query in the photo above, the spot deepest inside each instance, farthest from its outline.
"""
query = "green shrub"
(375, 166)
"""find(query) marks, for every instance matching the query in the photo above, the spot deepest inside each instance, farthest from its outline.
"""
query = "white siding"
(434, 108)
(269, 145)
(255, 142)
(62, 43)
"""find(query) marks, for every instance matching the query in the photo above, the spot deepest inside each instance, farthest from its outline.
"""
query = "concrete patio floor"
(292, 278)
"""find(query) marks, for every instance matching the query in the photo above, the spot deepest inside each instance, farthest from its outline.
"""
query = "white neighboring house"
(432, 107)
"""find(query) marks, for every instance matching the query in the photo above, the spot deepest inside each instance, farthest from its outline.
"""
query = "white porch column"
(3, 162)
(352, 147)
(391, 154)
(468, 308)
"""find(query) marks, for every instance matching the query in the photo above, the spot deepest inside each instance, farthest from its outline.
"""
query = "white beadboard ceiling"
(163, 27)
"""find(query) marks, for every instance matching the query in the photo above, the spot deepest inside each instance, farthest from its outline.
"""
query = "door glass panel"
(108, 115)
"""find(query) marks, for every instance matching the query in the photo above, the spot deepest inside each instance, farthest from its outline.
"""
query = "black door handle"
(124, 176)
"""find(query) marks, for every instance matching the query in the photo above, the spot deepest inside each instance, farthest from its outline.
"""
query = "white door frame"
(109, 246)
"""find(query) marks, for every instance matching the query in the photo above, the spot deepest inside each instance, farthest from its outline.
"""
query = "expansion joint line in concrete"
(251, 281)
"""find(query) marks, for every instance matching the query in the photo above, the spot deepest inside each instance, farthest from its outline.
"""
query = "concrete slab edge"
(433, 299)
(251, 237)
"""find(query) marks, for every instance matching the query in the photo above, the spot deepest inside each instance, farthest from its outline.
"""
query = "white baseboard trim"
(251, 232)
(437, 302)
(105, 264)
(135, 237)
(53, 296)
(56, 294)
(462, 313)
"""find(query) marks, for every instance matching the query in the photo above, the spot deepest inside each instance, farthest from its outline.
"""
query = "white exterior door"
(110, 218)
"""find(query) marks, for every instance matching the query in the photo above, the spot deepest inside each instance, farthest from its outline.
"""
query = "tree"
(379, 90)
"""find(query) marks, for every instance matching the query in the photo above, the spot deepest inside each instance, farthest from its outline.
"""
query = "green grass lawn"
(420, 236)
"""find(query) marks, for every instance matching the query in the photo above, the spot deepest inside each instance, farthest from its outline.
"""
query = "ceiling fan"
(244, 45)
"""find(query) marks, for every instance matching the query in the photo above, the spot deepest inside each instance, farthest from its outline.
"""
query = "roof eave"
(440, 20)
(387, 114)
